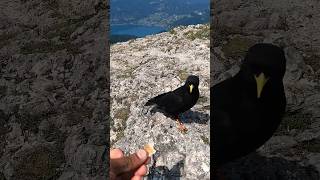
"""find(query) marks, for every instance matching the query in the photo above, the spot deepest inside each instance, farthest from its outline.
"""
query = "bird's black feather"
(242, 122)
(179, 100)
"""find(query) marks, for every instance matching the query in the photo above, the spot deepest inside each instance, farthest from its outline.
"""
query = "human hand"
(128, 167)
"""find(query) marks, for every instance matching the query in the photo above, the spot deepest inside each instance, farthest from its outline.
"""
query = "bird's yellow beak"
(190, 88)
(261, 81)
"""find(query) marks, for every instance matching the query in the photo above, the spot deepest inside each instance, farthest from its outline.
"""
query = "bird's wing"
(224, 129)
(223, 94)
(225, 139)
(154, 100)
(170, 102)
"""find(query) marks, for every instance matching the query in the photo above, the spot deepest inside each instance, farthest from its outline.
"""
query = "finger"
(142, 171)
(148, 160)
(130, 163)
(116, 153)
(136, 178)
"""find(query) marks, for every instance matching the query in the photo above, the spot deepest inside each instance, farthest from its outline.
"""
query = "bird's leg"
(181, 127)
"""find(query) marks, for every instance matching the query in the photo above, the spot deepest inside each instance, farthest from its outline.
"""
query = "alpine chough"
(178, 101)
(248, 108)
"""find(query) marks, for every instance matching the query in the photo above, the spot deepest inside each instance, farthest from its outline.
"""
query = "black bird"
(248, 108)
(178, 101)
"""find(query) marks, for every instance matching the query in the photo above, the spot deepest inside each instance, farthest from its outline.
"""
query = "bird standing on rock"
(178, 101)
(248, 108)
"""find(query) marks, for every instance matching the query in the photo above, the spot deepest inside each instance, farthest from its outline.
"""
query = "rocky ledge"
(145, 67)
(53, 90)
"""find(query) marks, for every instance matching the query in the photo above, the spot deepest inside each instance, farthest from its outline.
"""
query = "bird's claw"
(182, 128)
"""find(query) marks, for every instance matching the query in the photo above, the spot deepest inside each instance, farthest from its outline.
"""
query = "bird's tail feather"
(146, 110)
(150, 102)
(153, 100)
(150, 109)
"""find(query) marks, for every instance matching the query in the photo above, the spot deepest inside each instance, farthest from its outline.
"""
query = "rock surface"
(53, 90)
(293, 152)
(146, 67)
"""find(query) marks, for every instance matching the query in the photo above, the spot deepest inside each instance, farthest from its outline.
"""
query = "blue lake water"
(135, 30)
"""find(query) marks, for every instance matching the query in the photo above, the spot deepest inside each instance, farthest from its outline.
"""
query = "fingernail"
(142, 154)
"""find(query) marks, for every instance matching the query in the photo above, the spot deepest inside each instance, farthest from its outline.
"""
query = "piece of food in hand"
(150, 149)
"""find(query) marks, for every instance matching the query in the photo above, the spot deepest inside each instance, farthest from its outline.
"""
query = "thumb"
(130, 163)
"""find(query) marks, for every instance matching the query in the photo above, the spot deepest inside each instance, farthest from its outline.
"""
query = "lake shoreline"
(135, 30)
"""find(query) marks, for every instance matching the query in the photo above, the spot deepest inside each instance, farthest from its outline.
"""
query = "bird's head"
(192, 83)
(264, 63)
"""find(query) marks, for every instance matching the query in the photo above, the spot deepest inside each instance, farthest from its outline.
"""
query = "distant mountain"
(163, 13)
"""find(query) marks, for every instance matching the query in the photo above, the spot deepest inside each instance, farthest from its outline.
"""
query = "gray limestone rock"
(53, 89)
(146, 67)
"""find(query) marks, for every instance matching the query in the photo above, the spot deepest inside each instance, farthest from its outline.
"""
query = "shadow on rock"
(255, 166)
(186, 117)
(195, 117)
(163, 172)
